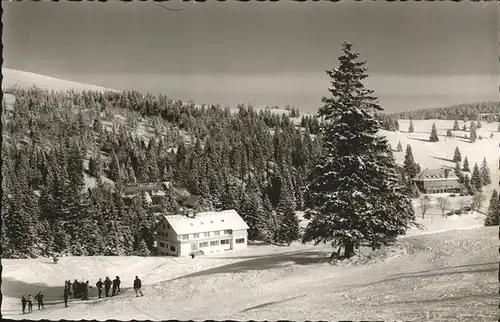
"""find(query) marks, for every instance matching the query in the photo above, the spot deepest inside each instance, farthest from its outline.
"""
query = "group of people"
(107, 286)
(81, 290)
(29, 302)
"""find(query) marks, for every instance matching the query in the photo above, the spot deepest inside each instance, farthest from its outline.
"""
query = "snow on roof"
(206, 221)
(435, 174)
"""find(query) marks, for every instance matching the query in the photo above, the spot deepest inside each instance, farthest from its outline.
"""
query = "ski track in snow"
(427, 276)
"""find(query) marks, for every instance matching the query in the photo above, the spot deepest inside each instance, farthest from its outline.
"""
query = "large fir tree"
(353, 191)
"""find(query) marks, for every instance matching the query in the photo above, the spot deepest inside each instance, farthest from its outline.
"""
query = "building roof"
(206, 221)
(436, 174)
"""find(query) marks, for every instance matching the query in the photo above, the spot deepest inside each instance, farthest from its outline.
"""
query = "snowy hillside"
(22, 79)
(442, 276)
(435, 155)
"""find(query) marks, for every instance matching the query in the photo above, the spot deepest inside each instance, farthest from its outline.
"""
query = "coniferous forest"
(67, 159)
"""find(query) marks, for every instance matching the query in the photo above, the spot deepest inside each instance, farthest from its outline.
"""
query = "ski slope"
(426, 276)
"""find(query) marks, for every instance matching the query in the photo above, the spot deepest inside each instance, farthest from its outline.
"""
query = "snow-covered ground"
(442, 276)
(22, 79)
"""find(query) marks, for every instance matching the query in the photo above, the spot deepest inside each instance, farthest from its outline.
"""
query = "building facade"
(206, 232)
(437, 181)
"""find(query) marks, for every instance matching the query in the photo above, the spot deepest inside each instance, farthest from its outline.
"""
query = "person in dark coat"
(66, 293)
(85, 291)
(75, 287)
(23, 302)
(30, 304)
(99, 286)
(118, 290)
(137, 286)
(107, 286)
(115, 286)
(39, 300)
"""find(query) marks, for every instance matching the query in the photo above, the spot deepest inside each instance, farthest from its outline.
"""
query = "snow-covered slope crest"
(23, 79)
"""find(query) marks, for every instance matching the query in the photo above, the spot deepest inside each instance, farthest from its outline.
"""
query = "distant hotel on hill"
(437, 181)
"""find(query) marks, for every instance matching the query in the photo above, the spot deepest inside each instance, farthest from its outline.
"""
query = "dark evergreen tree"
(485, 173)
(411, 128)
(399, 148)
(493, 216)
(456, 126)
(434, 136)
(409, 165)
(288, 230)
(355, 178)
(457, 157)
(449, 133)
(473, 132)
(465, 166)
(476, 179)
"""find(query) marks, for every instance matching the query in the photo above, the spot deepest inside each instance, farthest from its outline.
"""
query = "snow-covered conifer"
(353, 193)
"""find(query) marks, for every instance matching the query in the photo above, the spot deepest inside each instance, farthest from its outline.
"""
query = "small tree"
(458, 172)
(411, 128)
(458, 156)
(479, 125)
(425, 204)
(498, 129)
(476, 179)
(434, 136)
(399, 148)
(473, 132)
(444, 204)
(477, 201)
(492, 218)
(464, 128)
(449, 133)
(465, 166)
(485, 173)
(455, 126)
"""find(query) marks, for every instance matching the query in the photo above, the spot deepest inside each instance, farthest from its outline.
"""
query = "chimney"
(190, 213)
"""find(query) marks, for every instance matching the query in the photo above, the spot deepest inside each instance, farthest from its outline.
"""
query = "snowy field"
(22, 79)
(427, 275)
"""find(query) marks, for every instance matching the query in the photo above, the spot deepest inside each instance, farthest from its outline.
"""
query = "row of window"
(194, 246)
(206, 234)
(172, 247)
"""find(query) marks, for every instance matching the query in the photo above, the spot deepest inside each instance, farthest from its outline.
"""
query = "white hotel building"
(206, 232)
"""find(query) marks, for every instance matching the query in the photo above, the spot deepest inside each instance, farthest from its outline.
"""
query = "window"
(164, 226)
(185, 237)
(204, 244)
(162, 245)
(225, 242)
(196, 236)
(216, 233)
(168, 226)
(206, 234)
(172, 248)
(194, 246)
(240, 240)
(227, 232)
(214, 243)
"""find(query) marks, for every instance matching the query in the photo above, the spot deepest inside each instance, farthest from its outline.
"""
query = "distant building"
(206, 232)
(153, 192)
(437, 181)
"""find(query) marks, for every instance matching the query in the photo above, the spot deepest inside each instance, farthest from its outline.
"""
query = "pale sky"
(420, 54)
